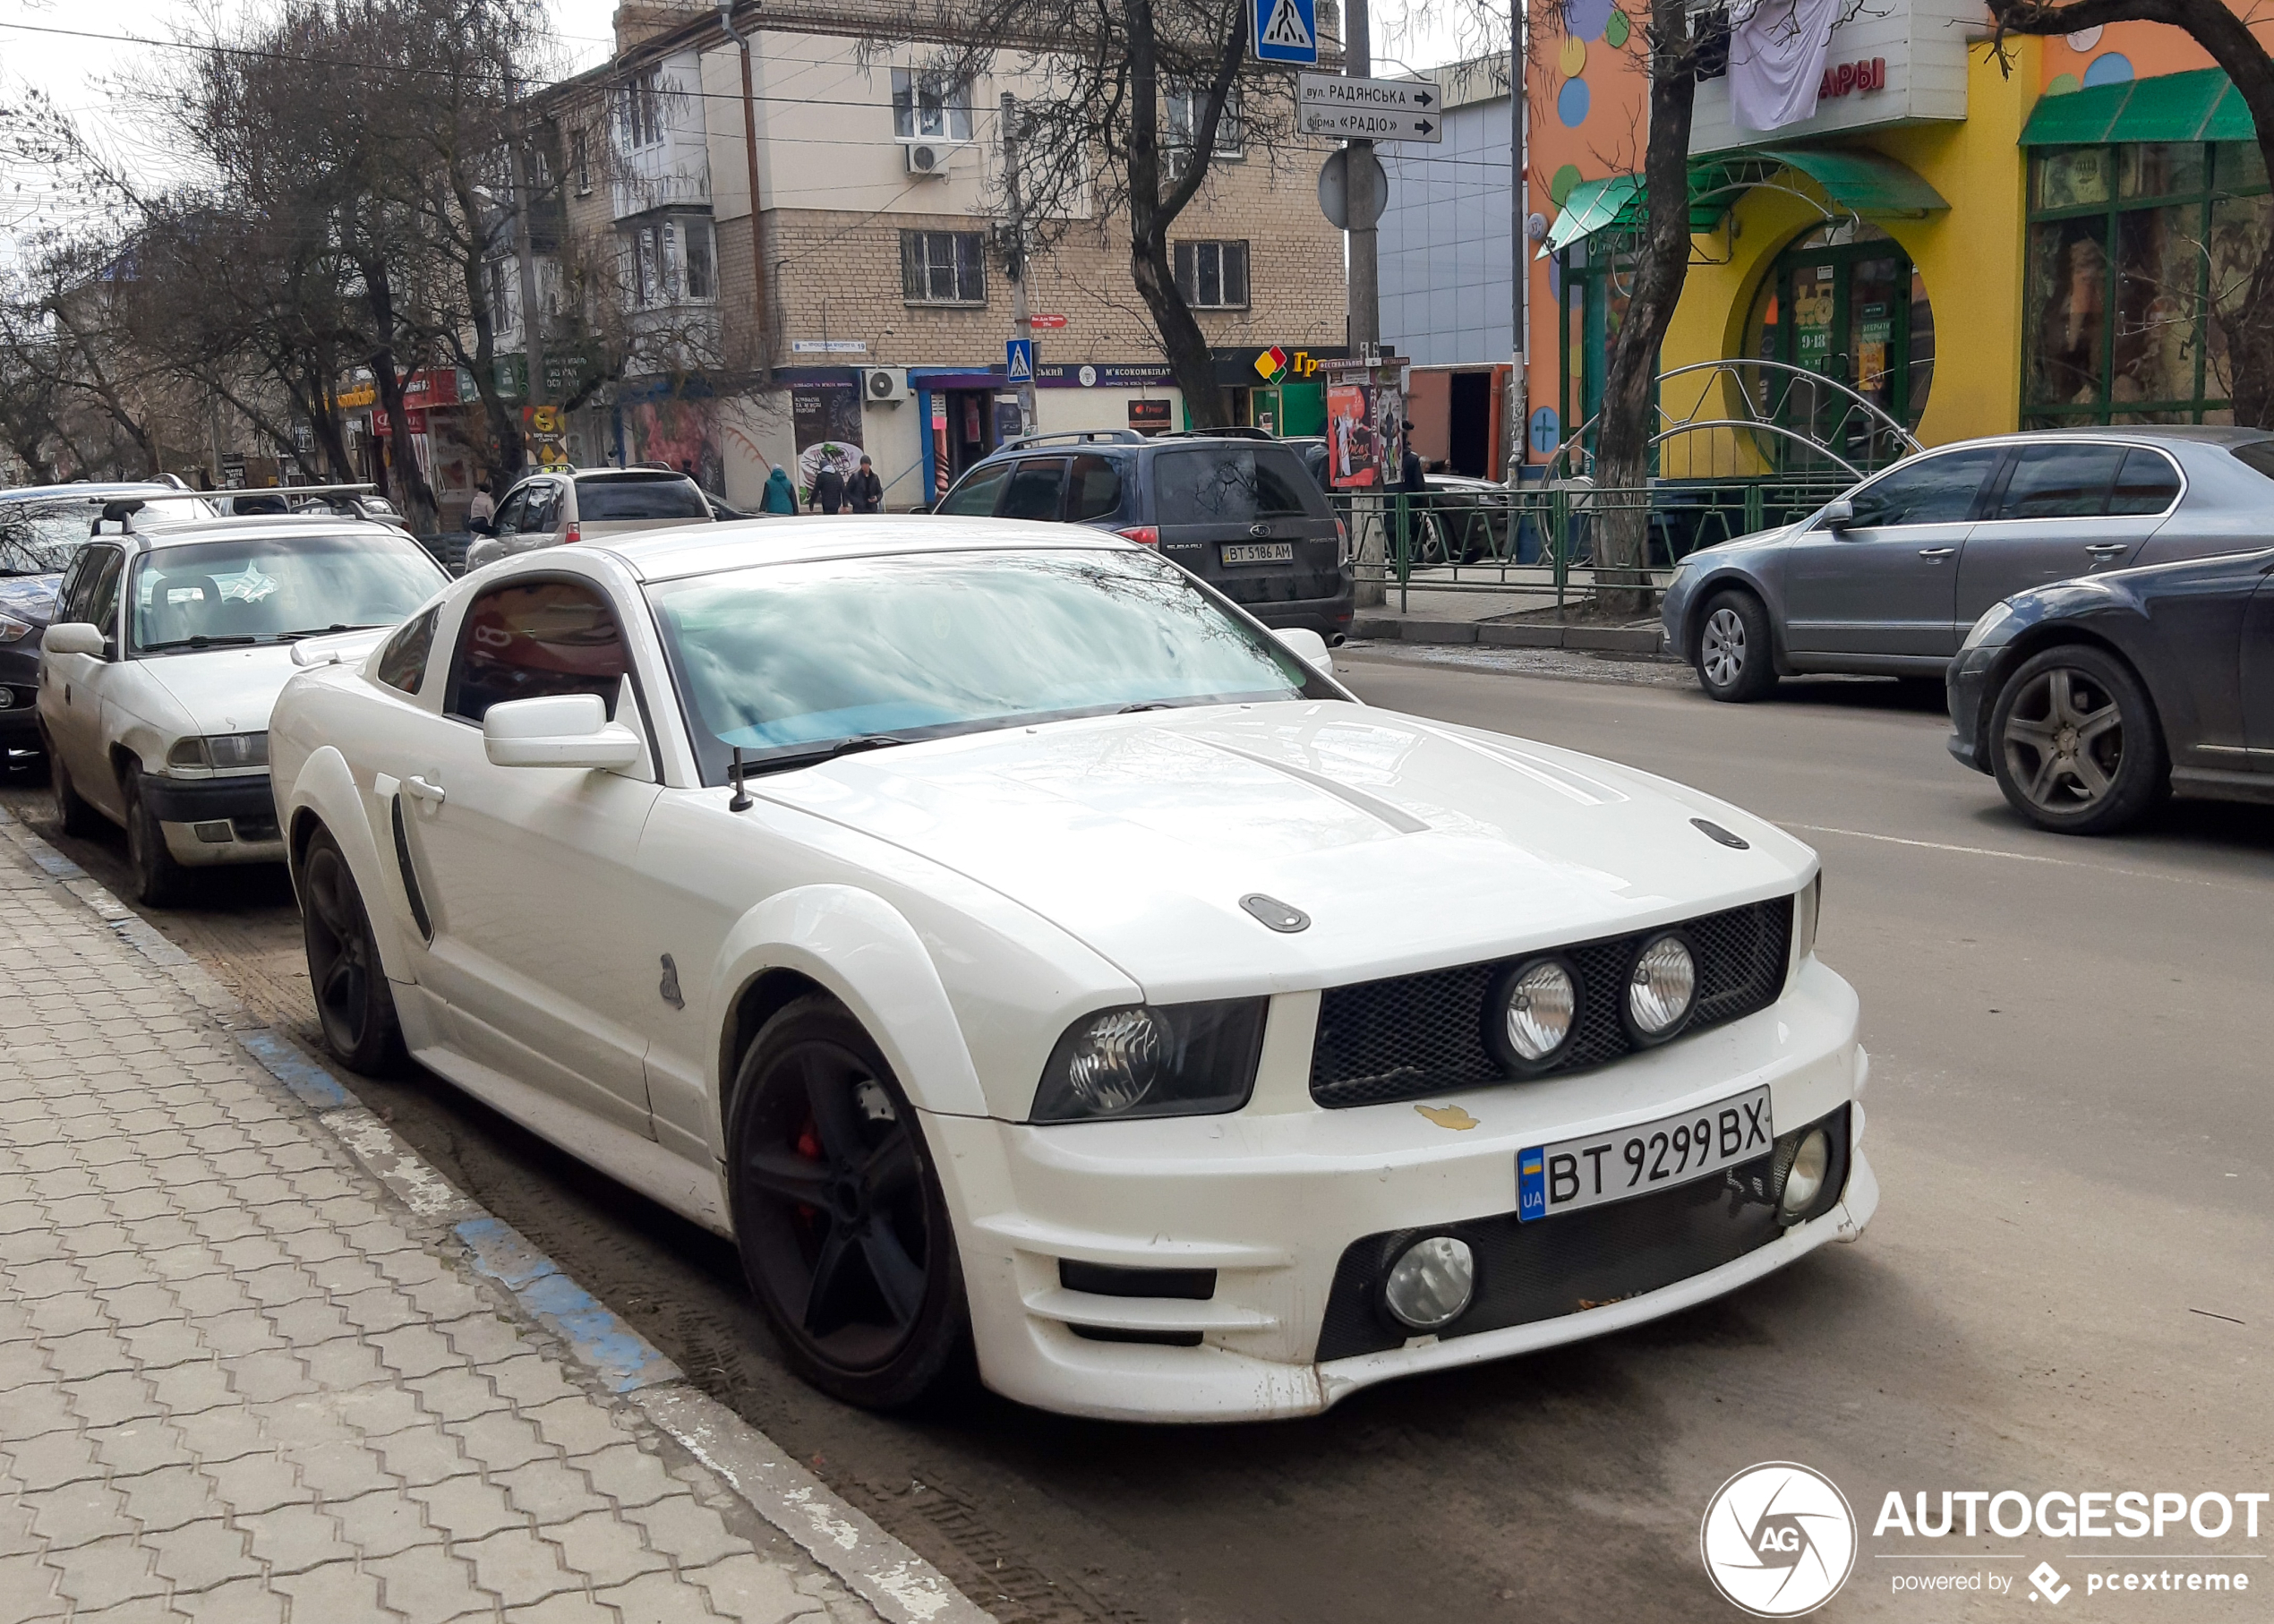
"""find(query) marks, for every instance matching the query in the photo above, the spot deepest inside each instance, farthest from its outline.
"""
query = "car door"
(1887, 585)
(2065, 508)
(527, 873)
(72, 685)
(2258, 674)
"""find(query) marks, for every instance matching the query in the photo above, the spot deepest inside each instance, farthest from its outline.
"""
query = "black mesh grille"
(1415, 1035)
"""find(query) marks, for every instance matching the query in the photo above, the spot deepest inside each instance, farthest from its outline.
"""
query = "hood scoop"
(1275, 914)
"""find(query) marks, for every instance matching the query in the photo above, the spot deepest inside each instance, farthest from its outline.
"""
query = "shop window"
(1211, 276)
(943, 267)
(2140, 258)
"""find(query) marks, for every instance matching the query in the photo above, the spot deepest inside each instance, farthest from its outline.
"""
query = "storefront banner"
(1107, 375)
(825, 417)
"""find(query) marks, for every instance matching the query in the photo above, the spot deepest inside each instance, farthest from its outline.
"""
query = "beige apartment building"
(881, 208)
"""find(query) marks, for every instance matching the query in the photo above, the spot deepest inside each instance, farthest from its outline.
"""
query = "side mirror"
(1308, 646)
(74, 638)
(558, 730)
(1839, 514)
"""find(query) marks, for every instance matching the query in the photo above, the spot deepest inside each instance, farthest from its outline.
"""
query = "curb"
(900, 1586)
(1617, 640)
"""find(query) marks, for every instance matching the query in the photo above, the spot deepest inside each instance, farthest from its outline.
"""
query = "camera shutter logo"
(1779, 1540)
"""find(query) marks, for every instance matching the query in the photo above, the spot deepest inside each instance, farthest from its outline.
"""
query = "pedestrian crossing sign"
(1287, 31)
(1018, 361)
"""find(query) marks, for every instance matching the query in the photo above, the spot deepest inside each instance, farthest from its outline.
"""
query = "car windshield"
(621, 499)
(200, 595)
(790, 661)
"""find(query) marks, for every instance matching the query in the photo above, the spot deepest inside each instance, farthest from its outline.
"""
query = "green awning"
(2200, 106)
(1857, 183)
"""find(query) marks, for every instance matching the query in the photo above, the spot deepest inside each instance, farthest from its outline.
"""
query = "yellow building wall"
(1969, 255)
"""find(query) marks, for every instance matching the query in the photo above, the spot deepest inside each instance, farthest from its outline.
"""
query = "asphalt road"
(2067, 1286)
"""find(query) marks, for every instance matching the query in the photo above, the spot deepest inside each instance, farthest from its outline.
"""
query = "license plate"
(1576, 1173)
(1259, 552)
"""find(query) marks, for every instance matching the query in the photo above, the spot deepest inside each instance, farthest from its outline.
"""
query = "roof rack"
(1080, 437)
(121, 511)
(1230, 431)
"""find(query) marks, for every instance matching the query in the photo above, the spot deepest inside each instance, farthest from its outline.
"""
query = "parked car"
(559, 506)
(42, 528)
(1462, 520)
(1235, 509)
(1887, 578)
(2091, 700)
(1000, 935)
(169, 644)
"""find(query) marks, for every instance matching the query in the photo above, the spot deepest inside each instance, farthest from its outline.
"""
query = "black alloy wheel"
(160, 881)
(2075, 742)
(74, 815)
(1734, 660)
(354, 1004)
(843, 1230)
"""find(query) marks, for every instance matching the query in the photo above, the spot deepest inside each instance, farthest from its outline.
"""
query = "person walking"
(865, 493)
(828, 489)
(1413, 488)
(781, 495)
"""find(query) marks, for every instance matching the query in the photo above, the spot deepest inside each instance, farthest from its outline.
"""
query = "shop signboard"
(1901, 63)
(1150, 417)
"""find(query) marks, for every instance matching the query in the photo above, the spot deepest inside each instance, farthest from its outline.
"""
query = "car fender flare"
(864, 953)
(325, 791)
(1730, 577)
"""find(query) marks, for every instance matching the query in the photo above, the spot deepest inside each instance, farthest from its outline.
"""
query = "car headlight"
(1805, 907)
(1154, 1060)
(1993, 619)
(1659, 988)
(1530, 1014)
(220, 750)
(13, 630)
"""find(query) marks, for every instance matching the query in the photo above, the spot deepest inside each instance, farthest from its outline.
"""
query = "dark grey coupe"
(1887, 578)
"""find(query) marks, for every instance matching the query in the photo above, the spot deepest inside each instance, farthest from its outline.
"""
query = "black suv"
(1239, 513)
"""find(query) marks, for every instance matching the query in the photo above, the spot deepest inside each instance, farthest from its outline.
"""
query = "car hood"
(1735, 546)
(30, 598)
(1411, 844)
(225, 691)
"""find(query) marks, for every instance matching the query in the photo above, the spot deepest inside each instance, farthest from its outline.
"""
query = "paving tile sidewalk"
(239, 1381)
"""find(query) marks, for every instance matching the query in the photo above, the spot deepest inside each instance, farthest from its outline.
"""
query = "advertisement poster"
(1356, 457)
(825, 417)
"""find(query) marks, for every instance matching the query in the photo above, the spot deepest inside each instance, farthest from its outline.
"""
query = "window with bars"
(943, 267)
(1211, 276)
(2140, 258)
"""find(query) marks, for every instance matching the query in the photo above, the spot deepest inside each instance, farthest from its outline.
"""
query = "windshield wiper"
(324, 631)
(199, 641)
(828, 752)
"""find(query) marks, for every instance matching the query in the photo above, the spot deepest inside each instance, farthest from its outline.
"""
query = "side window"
(533, 639)
(545, 510)
(975, 497)
(2060, 481)
(1095, 489)
(2146, 483)
(102, 593)
(1036, 489)
(1279, 491)
(402, 663)
(1932, 491)
(72, 590)
(516, 509)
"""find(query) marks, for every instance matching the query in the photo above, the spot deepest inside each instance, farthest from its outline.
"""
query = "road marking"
(2018, 857)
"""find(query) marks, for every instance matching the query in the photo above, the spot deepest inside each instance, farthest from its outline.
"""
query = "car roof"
(256, 527)
(2176, 433)
(671, 555)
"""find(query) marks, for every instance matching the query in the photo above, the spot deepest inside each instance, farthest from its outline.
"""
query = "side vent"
(410, 870)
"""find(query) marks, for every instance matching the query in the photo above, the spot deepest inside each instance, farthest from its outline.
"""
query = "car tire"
(2075, 744)
(75, 816)
(355, 1005)
(838, 1212)
(160, 881)
(1735, 659)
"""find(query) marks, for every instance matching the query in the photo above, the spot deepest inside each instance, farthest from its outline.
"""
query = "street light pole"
(1022, 323)
(1366, 280)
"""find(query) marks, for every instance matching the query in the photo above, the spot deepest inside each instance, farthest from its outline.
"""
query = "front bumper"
(1965, 689)
(20, 694)
(213, 821)
(1272, 1198)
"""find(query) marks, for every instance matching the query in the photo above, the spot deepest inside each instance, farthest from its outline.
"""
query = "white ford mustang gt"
(1002, 937)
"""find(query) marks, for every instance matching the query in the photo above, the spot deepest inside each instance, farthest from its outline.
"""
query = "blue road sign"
(1018, 360)
(1286, 31)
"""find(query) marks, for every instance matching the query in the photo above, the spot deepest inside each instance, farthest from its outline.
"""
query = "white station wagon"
(170, 643)
(1002, 937)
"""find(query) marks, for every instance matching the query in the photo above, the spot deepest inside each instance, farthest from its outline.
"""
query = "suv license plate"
(1259, 552)
(1576, 1173)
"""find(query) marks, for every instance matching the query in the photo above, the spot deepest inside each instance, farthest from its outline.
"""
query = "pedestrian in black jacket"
(867, 491)
(828, 489)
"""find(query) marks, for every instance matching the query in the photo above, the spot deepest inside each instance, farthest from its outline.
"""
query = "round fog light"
(1804, 1180)
(1660, 989)
(1537, 1006)
(1430, 1284)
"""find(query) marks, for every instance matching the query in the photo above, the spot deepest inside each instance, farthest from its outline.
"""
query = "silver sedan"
(1887, 578)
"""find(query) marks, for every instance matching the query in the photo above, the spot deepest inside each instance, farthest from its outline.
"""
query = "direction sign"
(1018, 360)
(1370, 109)
(1285, 31)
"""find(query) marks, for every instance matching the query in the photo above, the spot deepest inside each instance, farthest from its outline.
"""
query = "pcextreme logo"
(1779, 1540)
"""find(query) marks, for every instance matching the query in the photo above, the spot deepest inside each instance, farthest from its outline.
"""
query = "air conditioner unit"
(884, 384)
(928, 157)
